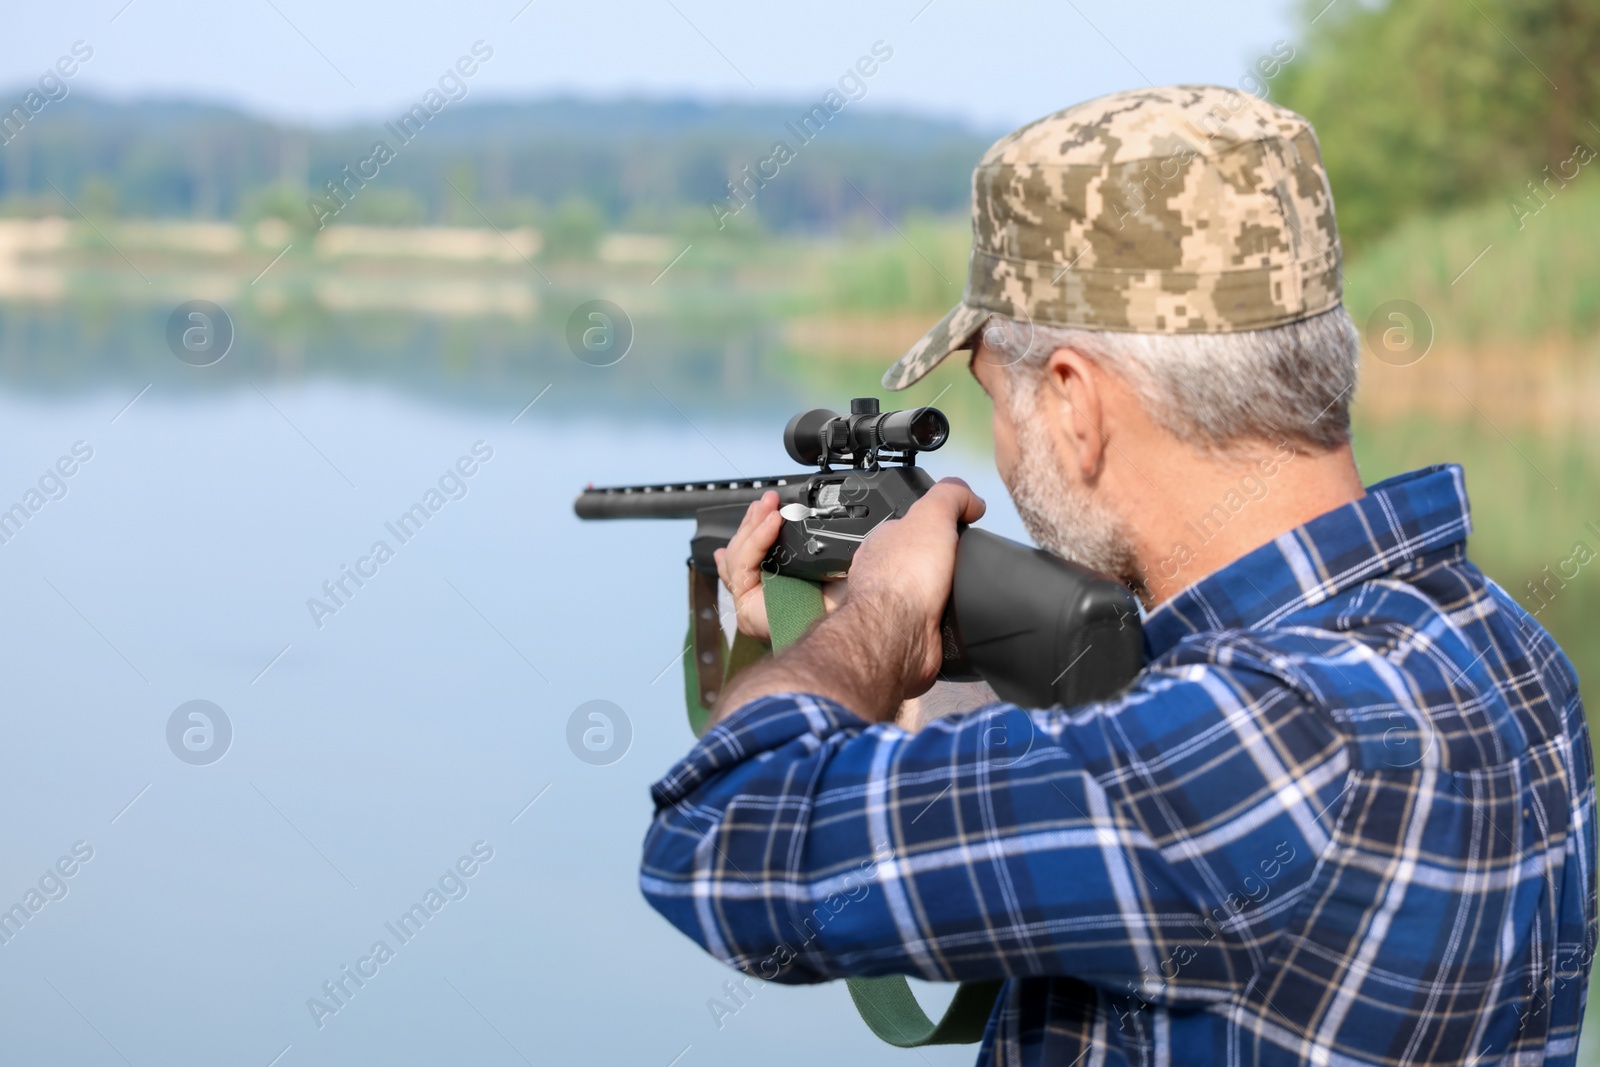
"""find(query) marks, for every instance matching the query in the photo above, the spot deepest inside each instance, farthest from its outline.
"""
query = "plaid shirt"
(1344, 816)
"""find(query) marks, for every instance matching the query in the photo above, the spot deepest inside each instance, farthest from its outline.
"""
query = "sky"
(994, 63)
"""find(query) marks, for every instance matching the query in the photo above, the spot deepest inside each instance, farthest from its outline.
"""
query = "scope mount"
(838, 440)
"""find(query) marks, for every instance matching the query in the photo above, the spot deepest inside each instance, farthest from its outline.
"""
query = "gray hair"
(1214, 390)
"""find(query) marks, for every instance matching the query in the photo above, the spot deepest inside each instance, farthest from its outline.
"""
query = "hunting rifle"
(1039, 629)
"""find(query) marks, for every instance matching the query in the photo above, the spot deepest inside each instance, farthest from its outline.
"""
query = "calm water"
(370, 754)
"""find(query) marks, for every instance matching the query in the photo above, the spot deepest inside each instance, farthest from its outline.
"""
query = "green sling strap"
(886, 1004)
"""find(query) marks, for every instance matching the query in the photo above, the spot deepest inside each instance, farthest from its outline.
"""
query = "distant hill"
(642, 163)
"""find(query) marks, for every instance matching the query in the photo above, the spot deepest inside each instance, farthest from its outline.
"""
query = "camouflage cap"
(1182, 209)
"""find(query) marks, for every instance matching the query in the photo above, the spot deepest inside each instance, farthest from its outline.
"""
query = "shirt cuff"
(760, 726)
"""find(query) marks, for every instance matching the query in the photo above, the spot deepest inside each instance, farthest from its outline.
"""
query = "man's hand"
(903, 570)
(739, 566)
(883, 645)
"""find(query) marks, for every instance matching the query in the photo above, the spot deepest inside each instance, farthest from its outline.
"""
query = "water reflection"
(727, 356)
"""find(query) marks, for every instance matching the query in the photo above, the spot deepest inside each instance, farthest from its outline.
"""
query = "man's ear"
(1079, 385)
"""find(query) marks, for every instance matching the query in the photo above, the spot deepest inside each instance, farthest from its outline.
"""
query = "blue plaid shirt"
(1344, 816)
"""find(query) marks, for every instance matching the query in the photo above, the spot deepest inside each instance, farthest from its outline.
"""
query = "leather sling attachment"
(706, 644)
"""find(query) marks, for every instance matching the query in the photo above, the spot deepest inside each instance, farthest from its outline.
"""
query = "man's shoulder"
(1213, 694)
(1435, 654)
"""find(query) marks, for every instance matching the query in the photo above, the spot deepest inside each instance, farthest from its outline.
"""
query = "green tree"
(459, 198)
(1426, 105)
(286, 203)
(387, 207)
(574, 231)
(98, 198)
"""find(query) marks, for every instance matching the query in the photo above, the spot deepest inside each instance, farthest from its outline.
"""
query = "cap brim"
(953, 333)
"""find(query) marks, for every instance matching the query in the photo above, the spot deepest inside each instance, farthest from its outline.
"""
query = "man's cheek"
(1005, 444)
(1005, 461)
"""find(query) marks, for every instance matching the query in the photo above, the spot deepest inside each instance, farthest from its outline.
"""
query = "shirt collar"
(1398, 521)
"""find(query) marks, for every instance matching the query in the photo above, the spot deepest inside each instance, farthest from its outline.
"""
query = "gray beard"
(1061, 516)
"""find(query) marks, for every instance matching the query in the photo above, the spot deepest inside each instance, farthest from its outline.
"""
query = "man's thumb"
(964, 504)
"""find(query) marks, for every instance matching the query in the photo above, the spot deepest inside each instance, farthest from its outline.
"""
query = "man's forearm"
(860, 656)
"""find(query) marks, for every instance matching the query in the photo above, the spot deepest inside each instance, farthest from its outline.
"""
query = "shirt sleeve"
(1154, 844)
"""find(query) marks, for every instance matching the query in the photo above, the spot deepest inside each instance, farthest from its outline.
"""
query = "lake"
(375, 744)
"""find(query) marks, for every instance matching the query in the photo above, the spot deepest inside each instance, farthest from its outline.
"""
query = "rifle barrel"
(681, 500)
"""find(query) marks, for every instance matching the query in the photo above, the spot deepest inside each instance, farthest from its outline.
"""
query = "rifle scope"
(820, 436)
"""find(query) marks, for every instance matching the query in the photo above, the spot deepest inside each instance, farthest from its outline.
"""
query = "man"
(1345, 815)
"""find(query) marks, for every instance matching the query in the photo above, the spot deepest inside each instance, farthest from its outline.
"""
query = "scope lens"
(928, 429)
(920, 429)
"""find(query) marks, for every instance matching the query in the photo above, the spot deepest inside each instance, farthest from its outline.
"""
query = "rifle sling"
(886, 1003)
